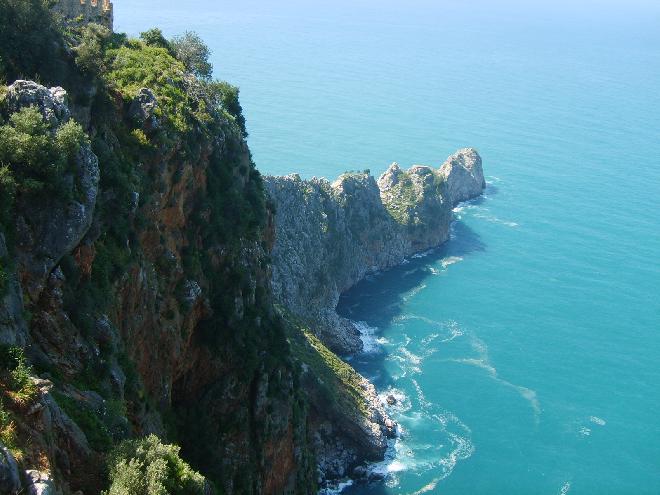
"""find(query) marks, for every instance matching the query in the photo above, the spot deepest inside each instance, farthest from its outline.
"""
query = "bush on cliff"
(30, 43)
(33, 158)
(147, 465)
(193, 52)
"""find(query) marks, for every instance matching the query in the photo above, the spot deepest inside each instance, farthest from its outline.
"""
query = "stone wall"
(99, 11)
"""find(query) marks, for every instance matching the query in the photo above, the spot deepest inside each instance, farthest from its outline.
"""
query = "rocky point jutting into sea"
(166, 317)
(330, 235)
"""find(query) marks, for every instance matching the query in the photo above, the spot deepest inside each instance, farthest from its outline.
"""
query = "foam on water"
(483, 362)
(565, 488)
(336, 488)
(450, 260)
(371, 342)
(597, 420)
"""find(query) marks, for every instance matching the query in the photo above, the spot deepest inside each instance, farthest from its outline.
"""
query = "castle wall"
(99, 11)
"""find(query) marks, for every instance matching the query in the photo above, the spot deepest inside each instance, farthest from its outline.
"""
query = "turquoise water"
(525, 353)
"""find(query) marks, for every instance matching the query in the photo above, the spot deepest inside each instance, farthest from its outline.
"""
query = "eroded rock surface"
(330, 235)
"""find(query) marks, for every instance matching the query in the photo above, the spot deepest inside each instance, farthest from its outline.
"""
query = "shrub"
(154, 37)
(34, 158)
(193, 52)
(226, 96)
(149, 466)
(30, 44)
(17, 375)
(91, 48)
(7, 194)
(135, 66)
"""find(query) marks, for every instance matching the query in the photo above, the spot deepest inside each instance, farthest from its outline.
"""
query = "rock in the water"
(464, 175)
(391, 400)
(10, 482)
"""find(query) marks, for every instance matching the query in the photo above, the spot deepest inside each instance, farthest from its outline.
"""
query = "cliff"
(134, 279)
(330, 235)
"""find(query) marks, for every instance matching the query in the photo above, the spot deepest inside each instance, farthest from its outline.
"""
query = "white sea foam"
(422, 254)
(413, 292)
(402, 403)
(565, 488)
(584, 431)
(369, 337)
(336, 488)
(411, 361)
(450, 260)
(483, 362)
(493, 219)
(462, 448)
(597, 420)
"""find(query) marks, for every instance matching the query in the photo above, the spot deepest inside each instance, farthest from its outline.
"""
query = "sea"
(524, 354)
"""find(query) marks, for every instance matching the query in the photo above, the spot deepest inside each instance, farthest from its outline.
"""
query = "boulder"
(10, 482)
(39, 483)
(143, 108)
(52, 102)
(46, 232)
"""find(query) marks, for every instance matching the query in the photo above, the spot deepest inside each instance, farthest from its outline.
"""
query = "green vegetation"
(15, 376)
(89, 53)
(149, 466)
(17, 391)
(138, 65)
(154, 37)
(340, 383)
(30, 42)
(97, 433)
(191, 50)
(34, 157)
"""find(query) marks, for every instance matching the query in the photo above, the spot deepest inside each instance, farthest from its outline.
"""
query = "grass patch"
(338, 381)
(97, 433)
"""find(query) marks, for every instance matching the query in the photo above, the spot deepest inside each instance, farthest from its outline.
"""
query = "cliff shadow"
(379, 299)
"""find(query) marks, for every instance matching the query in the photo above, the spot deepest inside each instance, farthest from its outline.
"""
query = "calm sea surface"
(525, 353)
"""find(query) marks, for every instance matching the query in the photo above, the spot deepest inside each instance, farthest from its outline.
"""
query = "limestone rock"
(10, 482)
(52, 102)
(143, 108)
(46, 232)
(13, 328)
(329, 236)
(464, 175)
(39, 483)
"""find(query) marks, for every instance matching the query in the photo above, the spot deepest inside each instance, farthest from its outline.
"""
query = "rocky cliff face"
(169, 329)
(330, 235)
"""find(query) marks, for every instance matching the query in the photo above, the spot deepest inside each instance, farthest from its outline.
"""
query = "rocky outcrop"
(464, 175)
(46, 232)
(147, 297)
(330, 235)
(10, 481)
